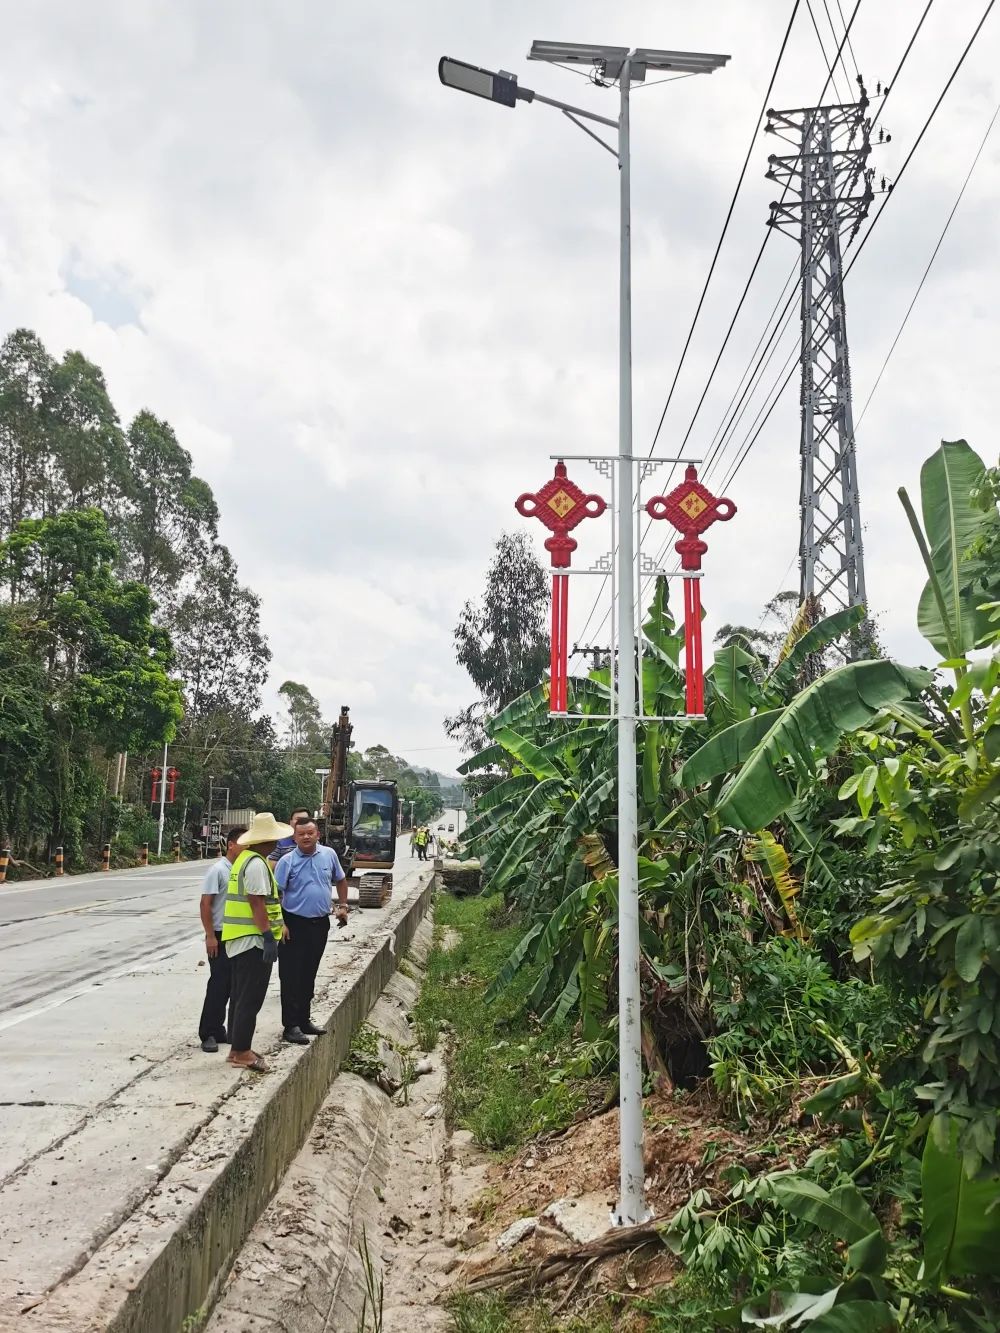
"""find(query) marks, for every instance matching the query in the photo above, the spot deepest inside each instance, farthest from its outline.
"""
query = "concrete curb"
(165, 1263)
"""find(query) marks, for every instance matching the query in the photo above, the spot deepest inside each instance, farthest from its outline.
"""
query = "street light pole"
(610, 63)
(208, 820)
(632, 1209)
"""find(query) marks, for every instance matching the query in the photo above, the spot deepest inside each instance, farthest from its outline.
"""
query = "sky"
(373, 308)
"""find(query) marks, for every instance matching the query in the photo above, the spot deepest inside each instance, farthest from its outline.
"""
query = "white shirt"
(216, 886)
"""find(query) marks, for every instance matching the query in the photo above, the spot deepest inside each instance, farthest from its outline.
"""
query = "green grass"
(493, 1314)
(507, 1077)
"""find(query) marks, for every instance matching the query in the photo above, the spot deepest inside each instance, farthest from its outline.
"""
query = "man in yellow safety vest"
(252, 925)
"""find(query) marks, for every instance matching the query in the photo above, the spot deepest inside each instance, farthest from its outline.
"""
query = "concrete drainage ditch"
(371, 1204)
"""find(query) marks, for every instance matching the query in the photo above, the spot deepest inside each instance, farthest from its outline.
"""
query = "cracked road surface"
(103, 1080)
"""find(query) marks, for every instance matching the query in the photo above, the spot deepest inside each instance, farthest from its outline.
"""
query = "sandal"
(256, 1065)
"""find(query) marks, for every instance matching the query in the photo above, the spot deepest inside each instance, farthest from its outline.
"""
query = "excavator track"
(374, 890)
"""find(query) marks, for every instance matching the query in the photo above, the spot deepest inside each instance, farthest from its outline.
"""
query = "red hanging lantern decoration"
(560, 504)
(691, 508)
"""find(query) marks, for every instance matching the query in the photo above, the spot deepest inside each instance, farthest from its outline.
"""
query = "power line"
(754, 436)
(930, 264)
(902, 62)
(850, 48)
(909, 46)
(923, 131)
(725, 225)
(830, 66)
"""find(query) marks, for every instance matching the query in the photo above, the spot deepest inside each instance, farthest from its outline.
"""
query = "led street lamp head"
(494, 86)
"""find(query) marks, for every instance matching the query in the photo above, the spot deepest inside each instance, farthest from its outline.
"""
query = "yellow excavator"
(359, 821)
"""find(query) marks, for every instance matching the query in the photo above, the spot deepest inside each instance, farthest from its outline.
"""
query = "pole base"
(618, 1219)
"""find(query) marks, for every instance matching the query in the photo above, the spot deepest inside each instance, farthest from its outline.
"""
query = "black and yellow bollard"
(4, 863)
(177, 846)
(59, 860)
(144, 854)
(106, 856)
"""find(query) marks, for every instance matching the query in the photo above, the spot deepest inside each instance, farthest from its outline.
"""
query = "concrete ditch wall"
(164, 1265)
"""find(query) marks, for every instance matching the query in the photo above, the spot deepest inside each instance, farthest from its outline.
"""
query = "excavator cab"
(374, 819)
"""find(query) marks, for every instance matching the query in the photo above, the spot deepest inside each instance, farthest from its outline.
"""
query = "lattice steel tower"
(828, 189)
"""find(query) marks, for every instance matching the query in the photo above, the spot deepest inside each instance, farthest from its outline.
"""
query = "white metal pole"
(632, 1208)
(163, 800)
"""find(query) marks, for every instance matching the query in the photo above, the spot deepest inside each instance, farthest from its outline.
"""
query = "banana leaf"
(813, 723)
(488, 758)
(520, 851)
(527, 754)
(503, 792)
(532, 703)
(726, 750)
(823, 633)
(515, 961)
(961, 1215)
(731, 681)
(952, 523)
(585, 694)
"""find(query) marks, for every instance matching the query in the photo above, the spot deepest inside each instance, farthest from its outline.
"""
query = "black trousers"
(249, 976)
(213, 1012)
(298, 962)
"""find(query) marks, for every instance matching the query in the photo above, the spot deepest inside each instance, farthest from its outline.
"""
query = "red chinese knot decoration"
(691, 508)
(561, 505)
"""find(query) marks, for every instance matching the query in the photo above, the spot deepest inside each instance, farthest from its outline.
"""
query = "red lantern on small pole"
(560, 504)
(691, 508)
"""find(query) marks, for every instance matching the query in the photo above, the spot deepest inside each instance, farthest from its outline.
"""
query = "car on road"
(451, 828)
(440, 828)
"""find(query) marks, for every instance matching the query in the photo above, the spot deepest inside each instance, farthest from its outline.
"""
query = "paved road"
(101, 988)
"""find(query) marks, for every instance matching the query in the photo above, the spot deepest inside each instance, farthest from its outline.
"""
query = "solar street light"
(625, 66)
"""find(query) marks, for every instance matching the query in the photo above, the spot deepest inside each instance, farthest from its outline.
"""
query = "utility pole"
(827, 192)
(208, 819)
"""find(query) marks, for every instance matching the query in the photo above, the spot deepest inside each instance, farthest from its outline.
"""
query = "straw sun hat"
(264, 828)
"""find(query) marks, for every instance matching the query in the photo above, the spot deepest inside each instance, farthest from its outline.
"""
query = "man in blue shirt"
(305, 878)
(286, 845)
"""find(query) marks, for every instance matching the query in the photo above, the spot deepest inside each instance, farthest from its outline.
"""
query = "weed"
(407, 1071)
(493, 1314)
(509, 1076)
(363, 1057)
(374, 1289)
(480, 1314)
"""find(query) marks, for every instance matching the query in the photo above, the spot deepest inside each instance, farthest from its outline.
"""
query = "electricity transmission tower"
(827, 192)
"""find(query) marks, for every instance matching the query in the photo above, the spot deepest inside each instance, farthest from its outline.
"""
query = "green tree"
(82, 668)
(221, 652)
(170, 516)
(62, 444)
(305, 724)
(87, 439)
(502, 640)
(25, 380)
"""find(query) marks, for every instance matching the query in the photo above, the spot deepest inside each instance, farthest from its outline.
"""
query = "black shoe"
(296, 1036)
(311, 1030)
(210, 1045)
